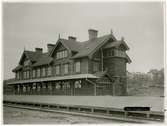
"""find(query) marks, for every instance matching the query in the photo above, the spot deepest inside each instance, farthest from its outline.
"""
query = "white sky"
(33, 25)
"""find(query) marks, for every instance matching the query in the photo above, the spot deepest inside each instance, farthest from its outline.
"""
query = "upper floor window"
(78, 67)
(38, 72)
(28, 74)
(96, 66)
(43, 72)
(17, 75)
(57, 69)
(66, 67)
(33, 73)
(114, 52)
(24, 74)
(49, 71)
(61, 54)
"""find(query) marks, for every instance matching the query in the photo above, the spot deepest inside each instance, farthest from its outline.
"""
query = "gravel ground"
(23, 116)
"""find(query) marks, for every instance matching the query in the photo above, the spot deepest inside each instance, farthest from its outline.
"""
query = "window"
(49, 86)
(43, 72)
(66, 67)
(38, 72)
(95, 66)
(77, 84)
(17, 75)
(26, 63)
(34, 86)
(33, 73)
(49, 71)
(24, 74)
(38, 87)
(18, 88)
(112, 53)
(58, 86)
(65, 53)
(62, 54)
(57, 69)
(28, 74)
(77, 67)
(24, 88)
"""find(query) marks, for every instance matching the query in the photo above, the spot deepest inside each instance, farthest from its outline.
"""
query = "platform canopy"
(56, 78)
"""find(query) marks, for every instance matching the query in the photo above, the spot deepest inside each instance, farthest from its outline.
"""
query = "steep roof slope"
(89, 46)
(43, 60)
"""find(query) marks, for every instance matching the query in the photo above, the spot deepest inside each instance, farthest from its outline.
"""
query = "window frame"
(66, 68)
(49, 71)
(33, 73)
(38, 72)
(61, 54)
(78, 70)
(43, 71)
(57, 67)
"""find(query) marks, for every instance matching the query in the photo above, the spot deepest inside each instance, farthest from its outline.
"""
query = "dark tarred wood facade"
(107, 62)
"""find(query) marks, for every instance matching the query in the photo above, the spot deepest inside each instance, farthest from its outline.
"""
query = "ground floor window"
(78, 84)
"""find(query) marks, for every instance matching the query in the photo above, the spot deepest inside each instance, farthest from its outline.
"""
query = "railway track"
(95, 112)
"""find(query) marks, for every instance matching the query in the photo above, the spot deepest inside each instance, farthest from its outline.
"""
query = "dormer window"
(61, 54)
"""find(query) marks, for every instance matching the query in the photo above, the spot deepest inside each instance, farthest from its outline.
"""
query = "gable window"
(43, 72)
(66, 67)
(78, 67)
(49, 71)
(61, 54)
(38, 72)
(26, 63)
(57, 69)
(33, 73)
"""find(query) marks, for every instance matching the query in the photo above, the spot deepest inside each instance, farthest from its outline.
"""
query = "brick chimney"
(50, 47)
(38, 50)
(92, 34)
(72, 38)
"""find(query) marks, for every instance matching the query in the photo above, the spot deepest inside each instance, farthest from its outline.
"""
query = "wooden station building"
(69, 67)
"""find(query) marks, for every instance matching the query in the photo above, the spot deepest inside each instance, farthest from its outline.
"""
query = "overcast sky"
(33, 25)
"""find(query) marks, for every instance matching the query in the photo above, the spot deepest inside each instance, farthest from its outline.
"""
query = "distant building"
(94, 67)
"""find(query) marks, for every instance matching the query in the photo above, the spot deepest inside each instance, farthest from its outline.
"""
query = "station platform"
(118, 102)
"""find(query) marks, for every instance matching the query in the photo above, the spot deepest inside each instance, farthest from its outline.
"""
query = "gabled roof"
(83, 48)
(36, 58)
(71, 45)
(32, 56)
(92, 45)
(43, 60)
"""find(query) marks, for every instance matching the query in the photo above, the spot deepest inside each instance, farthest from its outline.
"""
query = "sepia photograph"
(83, 62)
